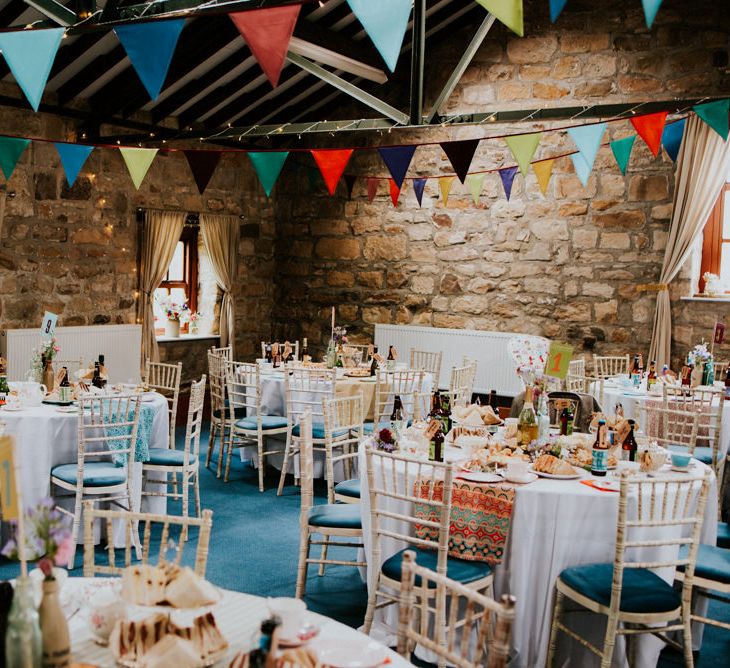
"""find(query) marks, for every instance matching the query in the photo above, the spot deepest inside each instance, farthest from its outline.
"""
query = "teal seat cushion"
(96, 474)
(642, 590)
(318, 431)
(267, 422)
(457, 569)
(348, 488)
(701, 453)
(713, 563)
(335, 516)
(166, 457)
(723, 534)
(237, 412)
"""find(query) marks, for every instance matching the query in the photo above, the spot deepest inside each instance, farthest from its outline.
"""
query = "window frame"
(189, 237)
(713, 241)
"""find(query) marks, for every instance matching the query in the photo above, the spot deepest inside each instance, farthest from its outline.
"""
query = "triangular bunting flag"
(268, 33)
(138, 161)
(650, 129)
(588, 140)
(445, 188)
(385, 22)
(556, 6)
(394, 192)
(372, 188)
(651, 7)
(672, 138)
(418, 186)
(11, 148)
(460, 153)
(268, 166)
(350, 183)
(523, 147)
(582, 168)
(543, 170)
(715, 114)
(202, 165)
(622, 151)
(397, 159)
(332, 163)
(30, 55)
(508, 12)
(73, 157)
(475, 183)
(150, 47)
(508, 177)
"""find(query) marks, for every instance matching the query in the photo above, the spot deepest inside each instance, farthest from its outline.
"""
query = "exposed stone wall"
(564, 265)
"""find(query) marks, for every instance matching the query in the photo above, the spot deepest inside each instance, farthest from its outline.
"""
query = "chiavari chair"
(606, 366)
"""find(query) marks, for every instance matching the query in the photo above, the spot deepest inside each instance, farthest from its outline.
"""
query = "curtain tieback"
(652, 287)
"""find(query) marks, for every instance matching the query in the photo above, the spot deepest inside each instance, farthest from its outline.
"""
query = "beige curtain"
(702, 168)
(220, 236)
(162, 230)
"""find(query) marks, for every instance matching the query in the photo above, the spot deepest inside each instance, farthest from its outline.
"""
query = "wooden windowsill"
(705, 298)
(186, 337)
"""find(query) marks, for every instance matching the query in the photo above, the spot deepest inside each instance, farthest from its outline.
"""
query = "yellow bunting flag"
(445, 188)
(508, 12)
(543, 170)
(138, 161)
(8, 489)
(523, 147)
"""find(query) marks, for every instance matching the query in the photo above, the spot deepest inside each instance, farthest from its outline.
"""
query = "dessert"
(166, 584)
(144, 584)
(171, 651)
(185, 589)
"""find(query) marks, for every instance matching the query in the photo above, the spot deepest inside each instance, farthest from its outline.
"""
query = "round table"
(553, 526)
(237, 615)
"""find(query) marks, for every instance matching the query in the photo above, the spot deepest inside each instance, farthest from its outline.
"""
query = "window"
(716, 241)
(180, 284)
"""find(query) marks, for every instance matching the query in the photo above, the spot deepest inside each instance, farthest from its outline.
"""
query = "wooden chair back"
(577, 367)
(243, 387)
(461, 385)
(720, 371)
(605, 366)
(195, 421)
(667, 426)
(423, 360)
(172, 528)
(406, 384)
(583, 384)
(165, 379)
(469, 611)
(217, 377)
(306, 390)
(343, 430)
(293, 344)
(72, 365)
(226, 352)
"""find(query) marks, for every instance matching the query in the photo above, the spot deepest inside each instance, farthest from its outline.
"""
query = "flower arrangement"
(339, 335)
(48, 537)
(175, 312)
(713, 284)
(699, 355)
(385, 440)
(50, 348)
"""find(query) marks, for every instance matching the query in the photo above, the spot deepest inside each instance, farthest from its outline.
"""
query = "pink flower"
(64, 551)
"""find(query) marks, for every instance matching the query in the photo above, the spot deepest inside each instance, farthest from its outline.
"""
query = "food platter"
(558, 476)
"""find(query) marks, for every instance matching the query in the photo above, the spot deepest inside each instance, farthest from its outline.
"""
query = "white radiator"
(495, 367)
(121, 346)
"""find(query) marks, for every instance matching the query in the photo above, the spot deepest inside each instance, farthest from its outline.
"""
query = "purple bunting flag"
(507, 176)
(418, 186)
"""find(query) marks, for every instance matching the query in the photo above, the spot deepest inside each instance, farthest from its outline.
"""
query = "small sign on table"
(48, 325)
(559, 356)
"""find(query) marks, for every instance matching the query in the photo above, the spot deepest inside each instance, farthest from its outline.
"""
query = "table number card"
(8, 489)
(48, 325)
(559, 356)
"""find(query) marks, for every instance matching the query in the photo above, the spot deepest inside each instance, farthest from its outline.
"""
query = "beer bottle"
(396, 417)
(445, 412)
(563, 405)
(651, 376)
(267, 355)
(390, 362)
(305, 351)
(264, 655)
(629, 447)
(599, 465)
(493, 400)
(635, 374)
(374, 362)
(96, 380)
(435, 441)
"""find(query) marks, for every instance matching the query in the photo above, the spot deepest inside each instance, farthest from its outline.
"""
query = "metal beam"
(346, 87)
(55, 11)
(461, 66)
(418, 55)
(326, 56)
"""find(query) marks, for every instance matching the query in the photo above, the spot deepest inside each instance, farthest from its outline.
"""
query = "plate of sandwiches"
(549, 466)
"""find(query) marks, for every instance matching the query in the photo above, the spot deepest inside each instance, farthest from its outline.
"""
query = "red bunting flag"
(332, 163)
(268, 33)
(372, 188)
(394, 192)
(650, 128)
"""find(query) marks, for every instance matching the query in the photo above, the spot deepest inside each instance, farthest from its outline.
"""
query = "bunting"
(715, 114)
(523, 147)
(138, 161)
(268, 33)
(11, 148)
(650, 129)
(543, 171)
(672, 138)
(445, 188)
(582, 168)
(588, 140)
(508, 12)
(651, 7)
(460, 154)
(150, 47)
(508, 177)
(350, 184)
(418, 186)
(332, 163)
(73, 157)
(621, 149)
(475, 183)
(394, 192)
(30, 55)
(268, 166)
(372, 188)
(202, 165)
(397, 159)
(556, 7)
(385, 22)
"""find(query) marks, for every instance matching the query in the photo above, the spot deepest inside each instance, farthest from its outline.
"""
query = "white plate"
(554, 476)
(13, 408)
(68, 409)
(479, 476)
(609, 485)
(351, 653)
(530, 477)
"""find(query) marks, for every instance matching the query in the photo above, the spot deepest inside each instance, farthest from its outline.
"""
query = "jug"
(29, 392)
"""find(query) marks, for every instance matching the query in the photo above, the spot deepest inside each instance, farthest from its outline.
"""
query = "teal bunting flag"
(30, 55)
(622, 151)
(385, 22)
(11, 148)
(268, 165)
(73, 157)
(582, 168)
(715, 114)
(588, 140)
(556, 6)
(150, 47)
(672, 138)
(651, 7)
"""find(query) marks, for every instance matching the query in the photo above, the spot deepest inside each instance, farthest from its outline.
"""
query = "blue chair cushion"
(349, 488)
(318, 431)
(267, 422)
(701, 453)
(723, 534)
(166, 457)
(642, 590)
(457, 569)
(713, 563)
(96, 474)
(237, 412)
(335, 516)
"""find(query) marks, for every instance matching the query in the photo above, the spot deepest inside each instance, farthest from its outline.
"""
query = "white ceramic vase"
(172, 328)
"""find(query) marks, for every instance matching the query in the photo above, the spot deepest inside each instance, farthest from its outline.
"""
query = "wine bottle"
(267, 354)
(527, 427)
(96, 380)
(445, 412)
(390, 362)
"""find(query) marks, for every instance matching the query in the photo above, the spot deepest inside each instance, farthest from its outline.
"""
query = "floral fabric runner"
(144, 432)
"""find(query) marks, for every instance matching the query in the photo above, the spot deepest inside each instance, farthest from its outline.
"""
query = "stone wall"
(564, 265)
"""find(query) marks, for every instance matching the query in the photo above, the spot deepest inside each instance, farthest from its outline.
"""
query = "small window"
(716, 241)
(180, 284)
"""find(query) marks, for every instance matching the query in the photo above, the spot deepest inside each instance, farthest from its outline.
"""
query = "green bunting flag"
(523, 147)
(138, 161)
(508, 12)
(475, 183)
(622, 151)
(445, 188)
(715, 114)
(268, 166)
(11, 148)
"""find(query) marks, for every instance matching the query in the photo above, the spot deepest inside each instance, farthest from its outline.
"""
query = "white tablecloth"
(237, 615)
(555, 524)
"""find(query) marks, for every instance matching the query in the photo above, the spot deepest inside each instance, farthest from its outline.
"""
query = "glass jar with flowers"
(193, 322)
(703, 371)
(339, 336)
(41, 363)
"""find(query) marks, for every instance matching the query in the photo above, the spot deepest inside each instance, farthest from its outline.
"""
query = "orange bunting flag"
(543, 170)
(332, 163)
(394, 192)
(650, 128)
(445, 188)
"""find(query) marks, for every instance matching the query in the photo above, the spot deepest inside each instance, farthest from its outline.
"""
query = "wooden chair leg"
(370, 612)
(197, 494)
(185, 502)
(229, 455)
(78, 509)
(226, 437)
(211, 442)
(687, 634)
(262, 462)
(285, 464)
(609, 642)
(304, 546)
(557, 611)
(323, 556)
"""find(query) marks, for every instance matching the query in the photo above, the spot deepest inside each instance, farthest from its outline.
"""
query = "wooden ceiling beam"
(90, 74)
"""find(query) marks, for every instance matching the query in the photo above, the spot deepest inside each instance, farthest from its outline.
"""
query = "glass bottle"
(23, 644)
(262, 656)
(305, 351)
(708, 373)
(435, 441)
(543, 420)
(4, 389)
(64, 387)
(330, 358)
(390, 362)
(651, 377)
(727, 383)
(527, 428)
(629, 446)
(599, 465)
(374, 362)
(445, 412)
(636, 372)
(396, 417)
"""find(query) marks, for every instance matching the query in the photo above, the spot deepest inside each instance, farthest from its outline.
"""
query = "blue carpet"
(254, 550)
